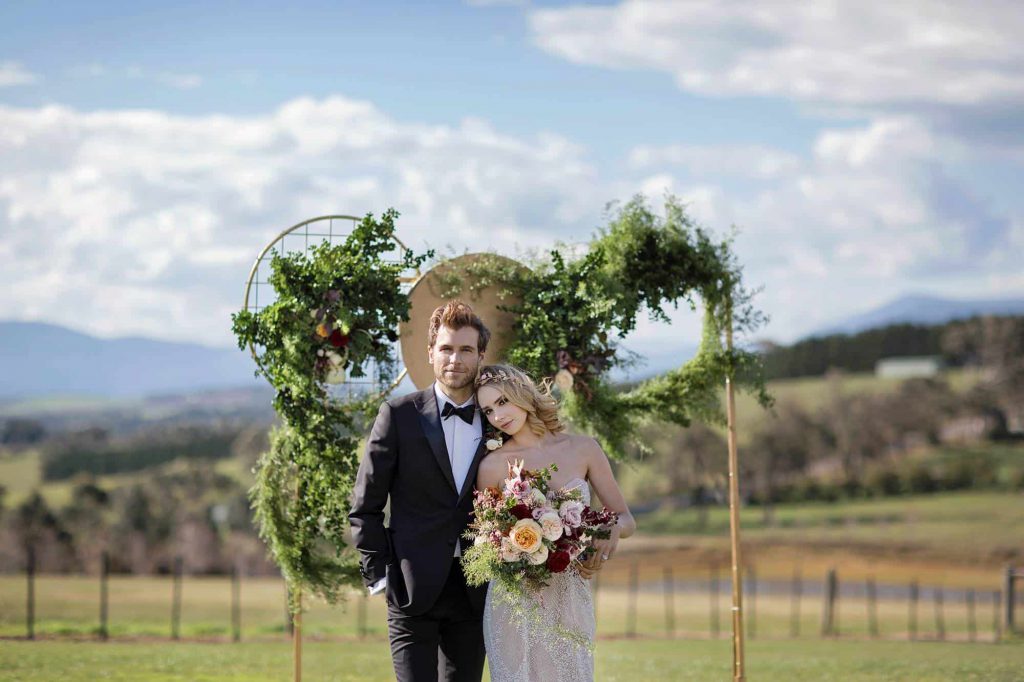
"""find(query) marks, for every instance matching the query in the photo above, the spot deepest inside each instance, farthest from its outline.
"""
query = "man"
(423, 454)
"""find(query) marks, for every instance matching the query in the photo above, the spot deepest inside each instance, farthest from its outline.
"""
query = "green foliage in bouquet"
(336, 313)
(576, 308)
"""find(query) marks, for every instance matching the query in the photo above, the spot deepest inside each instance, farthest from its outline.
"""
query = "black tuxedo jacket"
(407, 461)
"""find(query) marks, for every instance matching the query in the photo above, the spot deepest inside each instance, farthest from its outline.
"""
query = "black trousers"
(445, 643)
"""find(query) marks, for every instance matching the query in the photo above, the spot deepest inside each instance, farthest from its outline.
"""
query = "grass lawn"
(791, 661)
(974, 529)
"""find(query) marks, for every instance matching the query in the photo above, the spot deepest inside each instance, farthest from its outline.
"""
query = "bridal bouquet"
(526, 532)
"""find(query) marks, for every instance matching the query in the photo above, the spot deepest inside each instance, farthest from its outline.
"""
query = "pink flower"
(571, 513)
(517, 488)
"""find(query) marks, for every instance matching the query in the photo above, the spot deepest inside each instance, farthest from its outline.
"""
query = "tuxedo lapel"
(481, 450)
(430, 420)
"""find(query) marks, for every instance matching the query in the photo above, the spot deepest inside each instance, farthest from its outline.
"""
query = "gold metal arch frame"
(301, 237)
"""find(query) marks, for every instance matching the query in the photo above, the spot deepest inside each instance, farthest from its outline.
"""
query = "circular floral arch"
(574, 311)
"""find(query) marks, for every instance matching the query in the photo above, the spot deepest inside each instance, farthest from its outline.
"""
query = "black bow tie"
(465, 412)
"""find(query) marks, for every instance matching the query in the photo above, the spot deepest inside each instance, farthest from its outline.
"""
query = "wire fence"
(641, 600)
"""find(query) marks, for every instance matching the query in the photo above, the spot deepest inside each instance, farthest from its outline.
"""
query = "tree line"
(859, 352)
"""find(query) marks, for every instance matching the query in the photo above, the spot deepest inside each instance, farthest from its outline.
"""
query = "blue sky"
(148, 150)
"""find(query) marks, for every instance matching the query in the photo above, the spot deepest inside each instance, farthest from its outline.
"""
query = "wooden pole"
(738, 673)
(104, 577)
(670, 602)
(297, 640)
(872, 593)
(795, 593)
(30, 594)
(236, 604)
(176, 599)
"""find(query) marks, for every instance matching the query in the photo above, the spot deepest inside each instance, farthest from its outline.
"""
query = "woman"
(518, 650)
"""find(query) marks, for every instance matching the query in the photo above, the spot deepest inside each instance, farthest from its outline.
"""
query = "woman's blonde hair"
(520, 390)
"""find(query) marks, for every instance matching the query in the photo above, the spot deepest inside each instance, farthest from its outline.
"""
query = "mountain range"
(38, 359)
(925, 310)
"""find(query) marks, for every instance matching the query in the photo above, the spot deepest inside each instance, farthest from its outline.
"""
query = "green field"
(628, 661)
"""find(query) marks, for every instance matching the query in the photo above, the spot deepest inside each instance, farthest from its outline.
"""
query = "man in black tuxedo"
(423, 454)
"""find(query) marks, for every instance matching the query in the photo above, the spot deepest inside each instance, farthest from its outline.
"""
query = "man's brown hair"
(456, 315)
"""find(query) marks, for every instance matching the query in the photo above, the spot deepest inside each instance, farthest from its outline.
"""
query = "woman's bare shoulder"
(585, 445)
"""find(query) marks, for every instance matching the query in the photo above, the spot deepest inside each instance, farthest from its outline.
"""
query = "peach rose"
(526, 535)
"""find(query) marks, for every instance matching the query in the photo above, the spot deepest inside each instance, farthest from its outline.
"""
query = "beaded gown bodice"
(520, 651)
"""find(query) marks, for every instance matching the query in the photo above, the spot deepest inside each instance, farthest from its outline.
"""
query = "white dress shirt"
(460, 438)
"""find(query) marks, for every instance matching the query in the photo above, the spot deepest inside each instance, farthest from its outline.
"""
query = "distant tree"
(996, 344)
(18, 431)
(781, 449)
(35, 524)
(85, 518)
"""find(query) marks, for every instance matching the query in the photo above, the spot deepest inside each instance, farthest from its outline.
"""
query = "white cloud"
(13, 73)
(732, 160)
(861, 53)
(871, 214)
(143, 222)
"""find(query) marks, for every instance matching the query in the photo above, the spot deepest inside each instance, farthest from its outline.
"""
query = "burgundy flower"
(558, 561)
(521, 511)
(338, 340)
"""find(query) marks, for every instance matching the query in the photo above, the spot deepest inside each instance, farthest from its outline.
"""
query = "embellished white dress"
(521, 652)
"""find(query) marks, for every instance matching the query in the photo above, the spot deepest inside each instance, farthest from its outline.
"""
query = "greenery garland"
(337, 309)
(574, 310)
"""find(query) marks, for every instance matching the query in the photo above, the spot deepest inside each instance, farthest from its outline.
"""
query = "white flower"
(538, 557)
(551, 525)
(480, 540)
(538, 497)
(335, 358)
(509, 552)
(571, 512)
(493, 444)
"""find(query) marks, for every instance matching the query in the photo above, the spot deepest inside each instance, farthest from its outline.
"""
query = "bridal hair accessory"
(488, 376)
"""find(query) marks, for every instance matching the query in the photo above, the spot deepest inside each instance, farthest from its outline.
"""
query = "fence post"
(104, 575)
(872, 607)
(997, 623)
(30, 606)
(940, 616)
(670, 603)
(176, 599)
(752, 601)
(1009, 589)
(795, 594)
(972, 624)
(713, 593)
(829, 627)
(361, 614)
(236, 604)
(912, 614)
(631, 604)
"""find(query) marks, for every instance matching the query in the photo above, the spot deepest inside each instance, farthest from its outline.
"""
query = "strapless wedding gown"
(522, 652)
